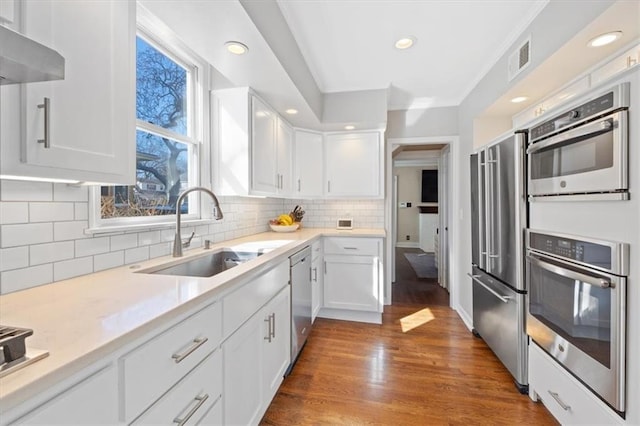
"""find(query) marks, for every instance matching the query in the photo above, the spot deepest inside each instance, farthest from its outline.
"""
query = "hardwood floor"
(422, 366)
(408, 288)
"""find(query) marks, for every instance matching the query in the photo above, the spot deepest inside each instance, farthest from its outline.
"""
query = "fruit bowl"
(283, 228)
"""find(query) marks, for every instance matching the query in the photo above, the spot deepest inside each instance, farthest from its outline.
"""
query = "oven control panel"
(579, 113)
(587, 252)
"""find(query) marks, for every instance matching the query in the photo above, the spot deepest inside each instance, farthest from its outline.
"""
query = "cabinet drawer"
(549, 382)
(240, 305)
(351, 246)
(154, 367)
(192, 398)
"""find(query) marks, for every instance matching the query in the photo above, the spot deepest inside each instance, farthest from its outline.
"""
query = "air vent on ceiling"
(520, 59)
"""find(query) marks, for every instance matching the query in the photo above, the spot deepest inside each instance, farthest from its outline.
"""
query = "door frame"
(455, 202)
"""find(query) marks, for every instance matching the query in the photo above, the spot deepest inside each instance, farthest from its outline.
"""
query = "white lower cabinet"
(352, 278)
(256, 357)
(563, 395)
(193, 399)
(92, 401)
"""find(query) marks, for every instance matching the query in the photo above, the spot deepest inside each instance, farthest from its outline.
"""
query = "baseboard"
(408, 245)
(466, 318)
(349, 315)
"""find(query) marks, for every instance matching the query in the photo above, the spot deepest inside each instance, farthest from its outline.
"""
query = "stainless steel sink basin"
(205, 266)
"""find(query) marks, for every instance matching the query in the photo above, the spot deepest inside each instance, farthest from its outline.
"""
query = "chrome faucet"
(177, 242)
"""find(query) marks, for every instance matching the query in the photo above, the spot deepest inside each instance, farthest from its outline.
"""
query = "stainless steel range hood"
(23, 60)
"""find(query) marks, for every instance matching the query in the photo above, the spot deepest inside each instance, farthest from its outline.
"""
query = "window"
(167, 145)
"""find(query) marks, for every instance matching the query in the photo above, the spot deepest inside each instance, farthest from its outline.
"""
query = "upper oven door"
(591, 158)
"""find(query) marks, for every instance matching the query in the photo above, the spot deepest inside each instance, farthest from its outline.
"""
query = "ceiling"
(334, 61)
(349, 44)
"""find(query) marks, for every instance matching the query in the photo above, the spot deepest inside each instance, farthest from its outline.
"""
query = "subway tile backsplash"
(43, 239)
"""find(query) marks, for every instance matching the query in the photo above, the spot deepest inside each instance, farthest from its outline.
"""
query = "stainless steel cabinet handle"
(196, 344)
(47, 108)
(200, 399)
(503, 299)
(328, 186)
(315, 274)
(273, 325)
(567, 273)
(555, 396)
(268, 336)
(350, 248)
(299, 185)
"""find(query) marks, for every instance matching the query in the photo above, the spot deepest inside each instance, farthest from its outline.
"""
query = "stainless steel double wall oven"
(577, 283)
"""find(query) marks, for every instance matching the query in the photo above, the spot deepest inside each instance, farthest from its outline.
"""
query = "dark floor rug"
(424, 264)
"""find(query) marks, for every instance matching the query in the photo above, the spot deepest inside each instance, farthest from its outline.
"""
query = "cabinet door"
(276, 343)
(351, 282)
(308, 174)
(284, 154)
(317, 275)
(242, 393)
(628, 59)
(353, 165)
(91, 112)
(92, 401)
(264, 171)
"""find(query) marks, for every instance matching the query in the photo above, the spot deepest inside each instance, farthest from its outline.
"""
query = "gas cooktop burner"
(13, 351)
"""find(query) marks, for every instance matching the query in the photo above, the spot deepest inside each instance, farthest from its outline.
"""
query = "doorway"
(444, 246)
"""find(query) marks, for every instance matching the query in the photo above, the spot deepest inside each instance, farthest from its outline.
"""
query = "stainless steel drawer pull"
(47, 108)
(200, 399)
(268, 321)
(503, 299)
(555, 396)
(273, 325)
(196, 344)
(350, 248)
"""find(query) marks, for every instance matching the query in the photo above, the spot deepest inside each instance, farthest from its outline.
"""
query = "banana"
(285, 219)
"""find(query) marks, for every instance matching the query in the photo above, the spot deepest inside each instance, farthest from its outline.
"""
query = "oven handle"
(568, 273)
(595, 128)
(503, 299)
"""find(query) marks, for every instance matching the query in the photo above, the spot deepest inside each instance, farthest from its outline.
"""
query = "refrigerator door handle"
(482, 221)
(503, 299)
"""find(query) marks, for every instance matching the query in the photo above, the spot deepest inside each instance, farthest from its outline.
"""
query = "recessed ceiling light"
(349, 127)
(604, 39)
(405, 43)
(236, 47)
(519, 99)
(291, 111)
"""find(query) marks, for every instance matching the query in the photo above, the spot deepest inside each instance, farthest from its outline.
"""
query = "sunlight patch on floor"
(416, 319)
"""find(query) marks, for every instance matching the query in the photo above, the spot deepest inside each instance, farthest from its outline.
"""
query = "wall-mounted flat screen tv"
(429, 186)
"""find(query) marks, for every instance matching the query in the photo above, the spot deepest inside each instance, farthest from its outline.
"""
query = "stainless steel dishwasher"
(300, 301)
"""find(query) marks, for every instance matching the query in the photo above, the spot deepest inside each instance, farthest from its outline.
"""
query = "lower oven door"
(578, 316)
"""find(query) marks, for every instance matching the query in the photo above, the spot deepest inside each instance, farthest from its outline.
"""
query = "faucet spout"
(177, 242)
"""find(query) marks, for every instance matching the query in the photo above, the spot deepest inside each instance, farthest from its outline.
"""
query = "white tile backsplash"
(35, 253)
(108, 260)
(19, 279)
(51, 252)
(14, 212)
(14, 258)
(17, 190)
(51, 212)
(26, 234)
(72, 268)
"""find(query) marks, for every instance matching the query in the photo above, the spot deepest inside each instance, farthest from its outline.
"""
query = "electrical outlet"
(408, 237)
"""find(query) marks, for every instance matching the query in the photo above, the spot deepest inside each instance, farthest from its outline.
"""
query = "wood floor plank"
(425, 370)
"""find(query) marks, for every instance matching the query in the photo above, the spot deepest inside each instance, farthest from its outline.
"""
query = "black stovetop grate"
(12, 342)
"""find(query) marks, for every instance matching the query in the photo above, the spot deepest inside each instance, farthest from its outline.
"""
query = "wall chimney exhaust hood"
(23, 60)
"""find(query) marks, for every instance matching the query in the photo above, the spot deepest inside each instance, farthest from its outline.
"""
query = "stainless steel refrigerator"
(499, 220)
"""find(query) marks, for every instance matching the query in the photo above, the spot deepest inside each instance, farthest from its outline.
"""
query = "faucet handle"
(187, 243)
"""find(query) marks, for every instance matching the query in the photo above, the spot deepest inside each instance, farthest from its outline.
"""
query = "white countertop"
(82, 320)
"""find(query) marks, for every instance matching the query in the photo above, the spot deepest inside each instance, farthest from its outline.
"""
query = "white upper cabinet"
(308, 173)
(264, 145)
(353, 165)
(620, 63)
(83, 127)
(252, 146)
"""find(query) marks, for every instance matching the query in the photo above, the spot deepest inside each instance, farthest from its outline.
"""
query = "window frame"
(158, 35)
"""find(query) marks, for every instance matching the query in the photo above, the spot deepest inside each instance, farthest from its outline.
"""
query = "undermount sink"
(205, 266)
